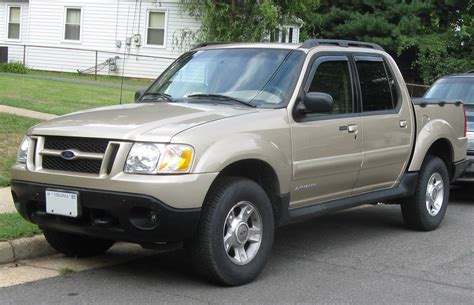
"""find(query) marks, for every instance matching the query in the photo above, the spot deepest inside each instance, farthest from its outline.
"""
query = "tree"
(428, 38)
(244, 20)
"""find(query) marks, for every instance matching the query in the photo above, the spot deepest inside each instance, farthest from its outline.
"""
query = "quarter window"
(72, 27)
(156, 28)
(377, 85)
(333, 78)
(14, 17)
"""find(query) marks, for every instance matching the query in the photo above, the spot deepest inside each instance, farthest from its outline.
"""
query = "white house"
(71, 35)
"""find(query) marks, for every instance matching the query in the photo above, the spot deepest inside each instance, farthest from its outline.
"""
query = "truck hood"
(157, 122)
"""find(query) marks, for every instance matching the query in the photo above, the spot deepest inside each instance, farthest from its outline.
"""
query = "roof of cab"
(306, 46)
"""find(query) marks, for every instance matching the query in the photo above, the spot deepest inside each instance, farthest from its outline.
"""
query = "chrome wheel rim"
(243, 230)
(434, 194)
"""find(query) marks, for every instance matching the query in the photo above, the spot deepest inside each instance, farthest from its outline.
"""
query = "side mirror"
(139, 93)
(318, 102)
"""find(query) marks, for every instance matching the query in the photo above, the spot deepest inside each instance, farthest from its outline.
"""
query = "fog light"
(144, 218)
(152, 217)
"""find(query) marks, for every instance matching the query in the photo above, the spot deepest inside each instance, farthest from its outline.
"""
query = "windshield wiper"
(215, 96)
(156, 95)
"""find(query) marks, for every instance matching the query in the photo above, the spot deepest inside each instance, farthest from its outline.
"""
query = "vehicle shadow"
(462, 194)
(360, 225)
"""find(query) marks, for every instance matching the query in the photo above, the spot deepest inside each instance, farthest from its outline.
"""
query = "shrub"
(14, 67)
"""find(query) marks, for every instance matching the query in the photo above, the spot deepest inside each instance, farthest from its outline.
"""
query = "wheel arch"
(441, 148)
(262, 173)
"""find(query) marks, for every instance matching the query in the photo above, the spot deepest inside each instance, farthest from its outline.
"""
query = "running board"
(405, 188)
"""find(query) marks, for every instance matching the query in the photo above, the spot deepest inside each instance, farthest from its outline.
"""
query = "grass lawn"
(12, 130)
(101, 78)
(57, 97)
(12, 226)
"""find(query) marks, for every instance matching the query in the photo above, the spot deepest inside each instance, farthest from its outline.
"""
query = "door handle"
(352, 128)
(403, 124)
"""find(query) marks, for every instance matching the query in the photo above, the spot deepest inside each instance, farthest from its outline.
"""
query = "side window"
(377, 86)
(72, 25)
(333, 78)
(156, 28)
(14, 17)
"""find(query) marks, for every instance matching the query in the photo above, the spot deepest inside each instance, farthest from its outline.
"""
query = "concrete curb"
(24, 248)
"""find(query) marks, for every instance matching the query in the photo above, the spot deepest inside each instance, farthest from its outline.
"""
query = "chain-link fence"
(416, 90)
(87, 61)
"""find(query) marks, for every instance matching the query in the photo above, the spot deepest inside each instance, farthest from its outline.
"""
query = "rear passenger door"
(386, 125)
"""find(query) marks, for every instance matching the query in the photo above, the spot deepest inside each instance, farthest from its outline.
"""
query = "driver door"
(327, 147)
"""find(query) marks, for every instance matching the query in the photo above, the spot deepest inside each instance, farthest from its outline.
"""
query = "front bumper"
(106, 214)
(468, 174)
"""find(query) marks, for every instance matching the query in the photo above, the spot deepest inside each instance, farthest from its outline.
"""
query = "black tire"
(414, 209)
(76, 245)
(210, 258)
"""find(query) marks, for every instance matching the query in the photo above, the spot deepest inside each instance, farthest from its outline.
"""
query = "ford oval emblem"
(68, 155)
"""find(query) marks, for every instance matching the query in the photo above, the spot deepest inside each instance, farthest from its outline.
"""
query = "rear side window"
(333, 78)
(377, 85)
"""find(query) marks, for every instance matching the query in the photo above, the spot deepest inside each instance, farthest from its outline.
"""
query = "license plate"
(62, 203)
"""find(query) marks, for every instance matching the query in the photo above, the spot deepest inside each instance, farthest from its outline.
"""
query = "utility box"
(3, 55)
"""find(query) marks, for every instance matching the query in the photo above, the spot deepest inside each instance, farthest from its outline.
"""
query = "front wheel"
(235, 233)
(425, 210)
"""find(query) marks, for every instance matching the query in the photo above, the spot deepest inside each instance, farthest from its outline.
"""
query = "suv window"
(333, 78)
(377, 85)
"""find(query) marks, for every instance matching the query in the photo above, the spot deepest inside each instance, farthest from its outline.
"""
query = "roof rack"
(208, 43)
(311, 43)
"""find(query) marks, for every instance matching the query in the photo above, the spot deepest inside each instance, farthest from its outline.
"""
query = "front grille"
(90, 145)
(78, 165)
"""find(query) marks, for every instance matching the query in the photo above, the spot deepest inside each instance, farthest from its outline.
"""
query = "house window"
(14, 17)
(156, 28)
(72, 26)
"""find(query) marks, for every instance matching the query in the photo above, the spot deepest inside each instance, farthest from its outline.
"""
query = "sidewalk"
(27, 113)
(6, 201)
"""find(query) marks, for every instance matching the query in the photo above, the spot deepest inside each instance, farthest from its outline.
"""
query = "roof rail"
(470, 71)
(311, 43)
(208, 43)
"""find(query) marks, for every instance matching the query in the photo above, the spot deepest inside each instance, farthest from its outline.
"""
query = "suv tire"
(235, 234)
(425, 210)
(76, 245)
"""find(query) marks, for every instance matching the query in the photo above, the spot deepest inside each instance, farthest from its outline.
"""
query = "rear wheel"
(76, 245)
(235, 234)
(426, 208)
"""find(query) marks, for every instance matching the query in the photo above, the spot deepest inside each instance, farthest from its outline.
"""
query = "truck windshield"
(454, 88)
(258, 77)
(457, 88)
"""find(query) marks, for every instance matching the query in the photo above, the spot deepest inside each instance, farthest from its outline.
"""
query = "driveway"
(363, 256)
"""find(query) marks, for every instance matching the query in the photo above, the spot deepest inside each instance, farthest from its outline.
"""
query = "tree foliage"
(429, 38)
(244, 20)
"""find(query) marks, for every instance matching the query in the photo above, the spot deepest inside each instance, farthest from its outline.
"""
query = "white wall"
(103, 22)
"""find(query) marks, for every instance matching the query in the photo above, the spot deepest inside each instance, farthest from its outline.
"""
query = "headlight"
(150, 158)
(23, 150)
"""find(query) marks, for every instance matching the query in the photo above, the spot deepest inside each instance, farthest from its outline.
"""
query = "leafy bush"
(14, 67)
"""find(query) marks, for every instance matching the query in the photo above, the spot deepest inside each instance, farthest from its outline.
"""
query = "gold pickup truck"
(233, 140)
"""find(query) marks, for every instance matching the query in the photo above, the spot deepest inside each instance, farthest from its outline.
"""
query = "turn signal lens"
(176, 159)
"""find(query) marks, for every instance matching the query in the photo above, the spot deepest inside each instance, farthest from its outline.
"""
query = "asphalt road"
(363, 256)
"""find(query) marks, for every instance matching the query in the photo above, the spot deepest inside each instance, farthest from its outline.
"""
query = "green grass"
(57, 97)
(13, 226)
(66, 271)
(101, 78)
(12, 130)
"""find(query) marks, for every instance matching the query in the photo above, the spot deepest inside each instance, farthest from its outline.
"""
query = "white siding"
(104, 22)
(15, 50)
